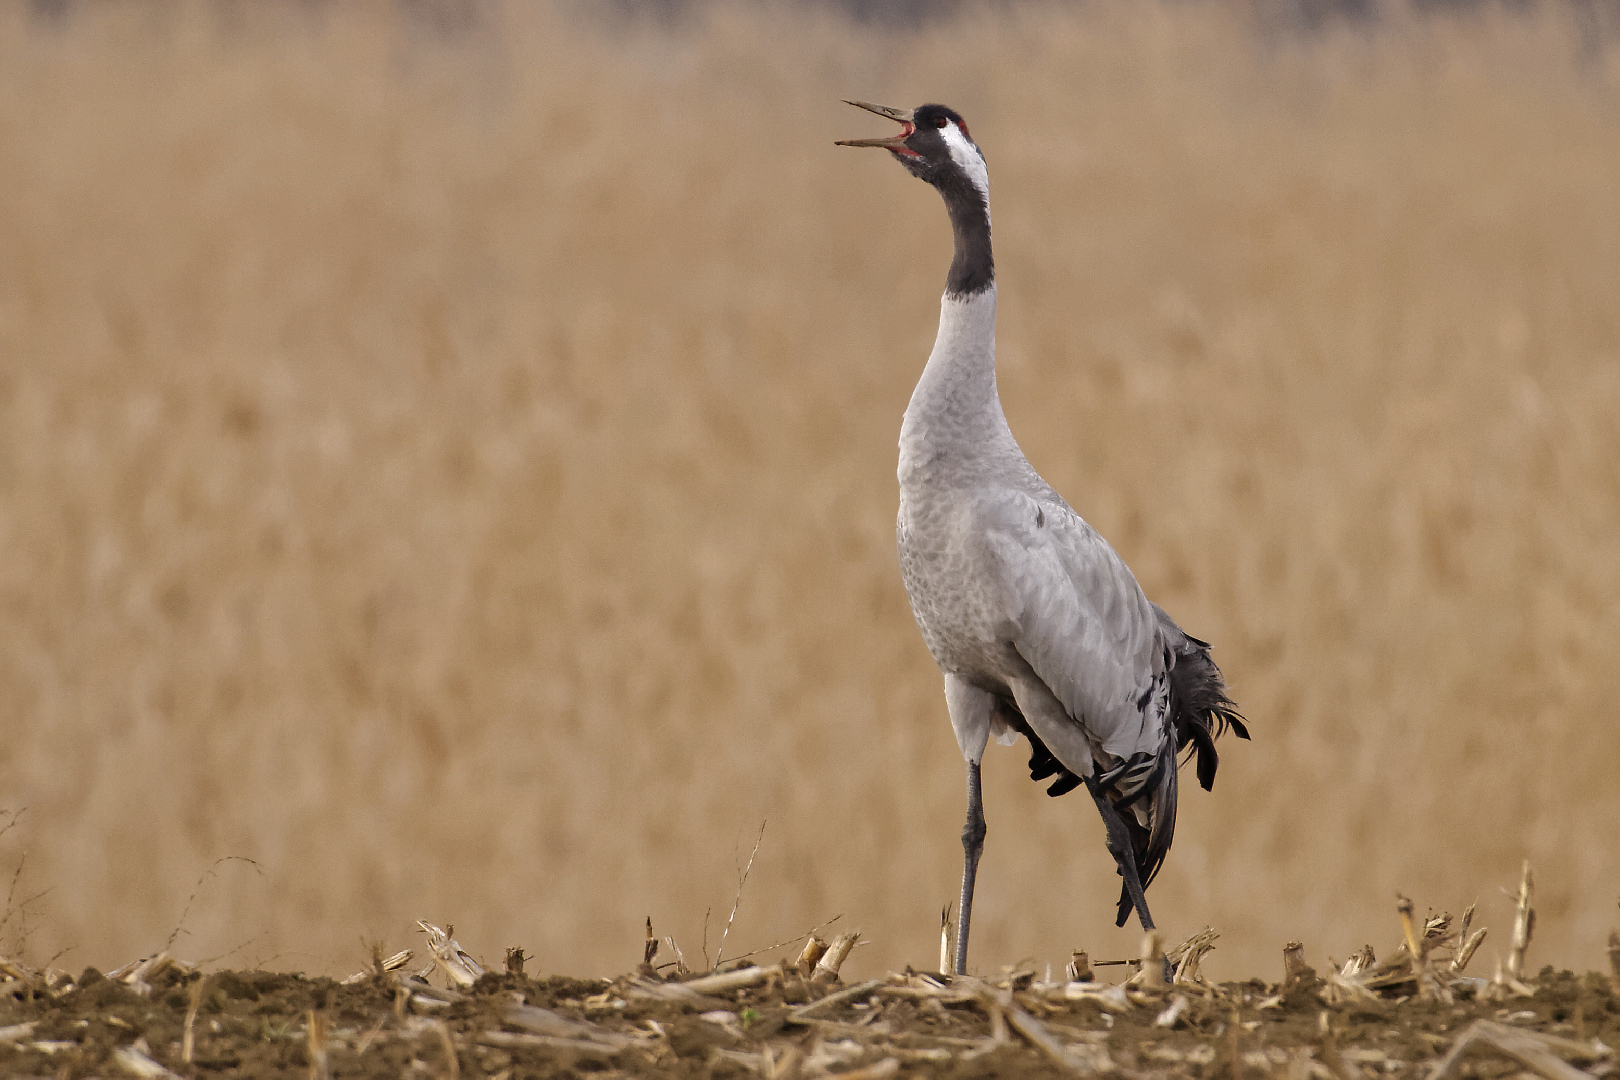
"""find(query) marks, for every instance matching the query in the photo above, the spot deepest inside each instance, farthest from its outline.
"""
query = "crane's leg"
(972, 846)
(1119, 846)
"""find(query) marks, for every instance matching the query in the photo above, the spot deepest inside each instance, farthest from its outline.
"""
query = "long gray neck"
(954, 421)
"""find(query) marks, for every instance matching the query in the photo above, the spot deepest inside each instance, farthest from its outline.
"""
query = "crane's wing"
(1137, 686)
(1079, 619)
(1081, 622)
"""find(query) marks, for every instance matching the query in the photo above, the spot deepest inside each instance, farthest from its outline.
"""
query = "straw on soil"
(773, 1021)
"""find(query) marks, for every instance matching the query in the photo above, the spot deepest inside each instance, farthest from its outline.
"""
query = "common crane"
(1038, 625)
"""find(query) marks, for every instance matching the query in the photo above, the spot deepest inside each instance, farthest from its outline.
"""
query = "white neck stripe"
(968, 159)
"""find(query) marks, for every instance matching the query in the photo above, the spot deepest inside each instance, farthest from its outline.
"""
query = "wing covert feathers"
(1144, 788)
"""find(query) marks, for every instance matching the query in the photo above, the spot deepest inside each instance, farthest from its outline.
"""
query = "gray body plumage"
(1016, 596)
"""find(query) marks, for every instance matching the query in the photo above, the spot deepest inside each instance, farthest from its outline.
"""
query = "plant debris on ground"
(1413, 1014)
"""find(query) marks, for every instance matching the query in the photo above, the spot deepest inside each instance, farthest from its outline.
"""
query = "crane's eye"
(941, 122)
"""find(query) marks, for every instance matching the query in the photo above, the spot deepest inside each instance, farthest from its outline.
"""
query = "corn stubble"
(1416, 1013)
(456, 473)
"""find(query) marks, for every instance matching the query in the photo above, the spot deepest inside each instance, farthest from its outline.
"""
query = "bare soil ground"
(260, 1024)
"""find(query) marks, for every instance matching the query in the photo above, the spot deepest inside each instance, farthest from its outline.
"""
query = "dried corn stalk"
(1295, 969)
(1466, 943)
(316, 1024)
(380, 965)
(813, 951)
(1524, 925)
(649, 951)
(837, 953)
(1033, 1030)
(1536, 1052)
(1363, 959)
(1153, 961)
(188, 1037)
(1414, 946)
(139, 975)
(449, 957)
(1187, 956)
(133, 1059)
(1412, 966)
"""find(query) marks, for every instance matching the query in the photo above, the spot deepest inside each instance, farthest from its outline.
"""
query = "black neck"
(973, 268)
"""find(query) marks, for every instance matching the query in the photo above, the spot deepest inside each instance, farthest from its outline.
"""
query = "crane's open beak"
(898, 143)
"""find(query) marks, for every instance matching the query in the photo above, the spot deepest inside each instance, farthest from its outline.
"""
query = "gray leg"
(972, 846)
(1119, 846)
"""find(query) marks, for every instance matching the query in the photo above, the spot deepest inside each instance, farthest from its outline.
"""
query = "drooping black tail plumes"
(1200, 711)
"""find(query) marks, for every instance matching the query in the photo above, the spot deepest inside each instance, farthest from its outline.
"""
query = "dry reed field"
(447, 472)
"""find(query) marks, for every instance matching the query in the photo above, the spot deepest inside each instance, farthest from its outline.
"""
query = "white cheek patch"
(968, 158)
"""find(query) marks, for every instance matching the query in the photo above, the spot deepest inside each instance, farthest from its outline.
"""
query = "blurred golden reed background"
(450, 463)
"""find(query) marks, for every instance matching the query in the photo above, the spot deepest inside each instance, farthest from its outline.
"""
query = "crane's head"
(933, 145)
